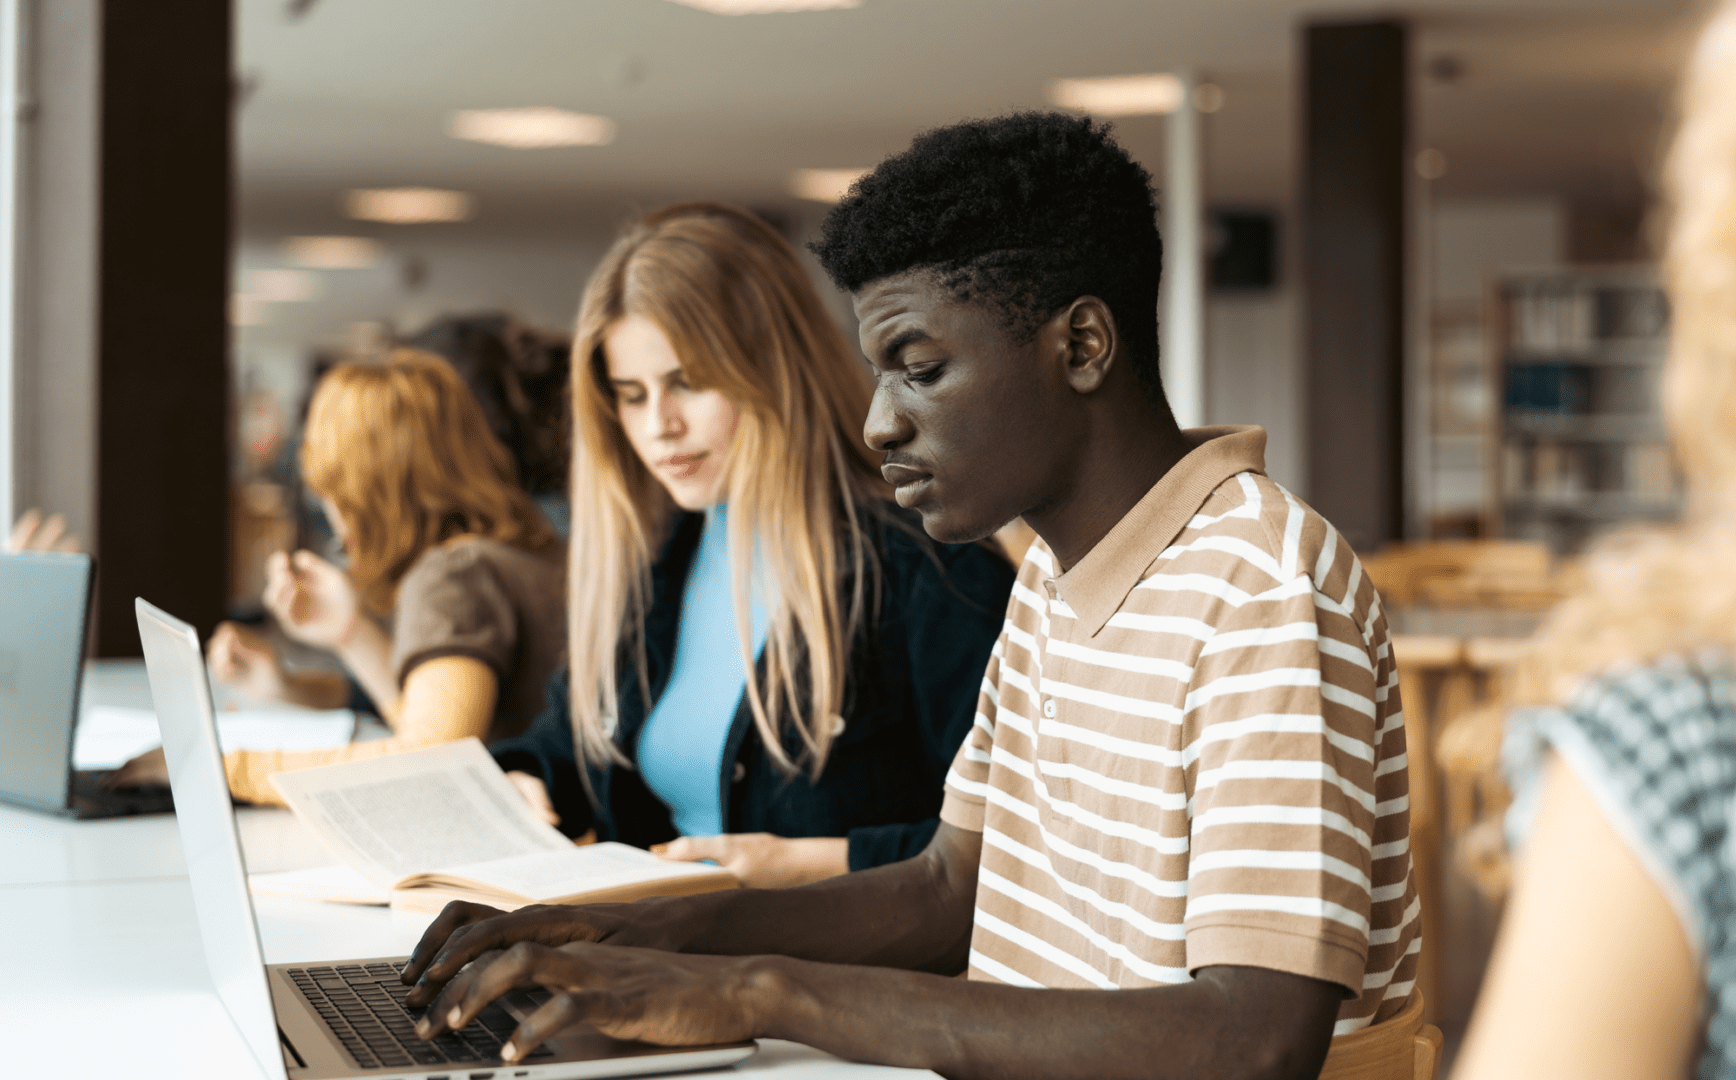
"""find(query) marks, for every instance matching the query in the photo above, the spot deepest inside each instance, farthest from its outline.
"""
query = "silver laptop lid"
(44, 598)
(181, 692)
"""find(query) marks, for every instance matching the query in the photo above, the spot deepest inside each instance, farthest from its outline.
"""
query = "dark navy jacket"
(916, 668)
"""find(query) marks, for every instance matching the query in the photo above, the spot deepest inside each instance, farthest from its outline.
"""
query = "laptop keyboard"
(363, 1005)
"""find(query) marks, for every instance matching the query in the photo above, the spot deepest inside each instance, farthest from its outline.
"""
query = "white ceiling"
(1558, 97)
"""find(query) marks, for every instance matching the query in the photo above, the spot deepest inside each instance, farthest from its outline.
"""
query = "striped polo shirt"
(1189, 751)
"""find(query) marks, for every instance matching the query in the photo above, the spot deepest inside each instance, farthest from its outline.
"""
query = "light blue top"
(681, 745)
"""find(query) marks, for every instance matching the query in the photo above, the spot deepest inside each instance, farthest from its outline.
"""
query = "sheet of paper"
(546, 875)
(109, 735)
(417, 812)
(333, 884)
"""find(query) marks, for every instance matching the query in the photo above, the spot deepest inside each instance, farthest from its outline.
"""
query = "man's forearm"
(910, 914)
(1230, 1023)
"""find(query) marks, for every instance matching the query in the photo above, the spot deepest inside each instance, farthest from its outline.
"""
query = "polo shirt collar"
(1097, 585)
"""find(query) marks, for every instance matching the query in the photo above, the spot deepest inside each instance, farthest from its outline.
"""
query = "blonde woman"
(440, 536)
(1617, 957)
(728, 520)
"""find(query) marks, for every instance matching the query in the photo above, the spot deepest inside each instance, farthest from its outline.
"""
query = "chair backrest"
(1400, 1048)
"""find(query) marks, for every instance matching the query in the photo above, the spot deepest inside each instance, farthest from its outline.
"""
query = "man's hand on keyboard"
(660, 997)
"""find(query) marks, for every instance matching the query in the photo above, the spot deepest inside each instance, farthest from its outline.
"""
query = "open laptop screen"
(43, 602)
(181, 692)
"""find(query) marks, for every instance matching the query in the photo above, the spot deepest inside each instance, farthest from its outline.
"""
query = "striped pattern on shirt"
(1195, 757)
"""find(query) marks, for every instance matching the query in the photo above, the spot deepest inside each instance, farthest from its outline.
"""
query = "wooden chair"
(1511, 574)
(1401, 1048)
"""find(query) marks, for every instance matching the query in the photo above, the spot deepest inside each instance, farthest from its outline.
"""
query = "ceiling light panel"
(767, 7)
(409, 206)
(823, 185)
(1120, 95)
(331, 252)
(532, 129)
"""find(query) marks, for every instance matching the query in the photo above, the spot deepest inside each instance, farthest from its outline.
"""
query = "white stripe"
(1279, 769)
(1262, 636)
(1036, 946)
(1057, 729)
(1158, 887)
(1154, 839)
(1039, 553)
(1293, 519)
(1390, 851)
(1121, 661)
(1392, 765)
(1116, 788)
(1331, 646)
(1102, 699)
(1278, 724)
(1116, 950)
(1261, 859)
(1225, 685)
(1197, 629)
(1309, 816)
(1254, 556)
(1349, 699)
(955, 779)
(1215, 587)
(1312, 907)
(1391, 934)
(1001, 971)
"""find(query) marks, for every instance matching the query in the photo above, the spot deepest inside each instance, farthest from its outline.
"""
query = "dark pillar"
(163, 328)
(1354, 161)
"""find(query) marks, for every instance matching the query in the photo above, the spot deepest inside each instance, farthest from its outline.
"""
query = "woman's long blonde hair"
(1650, 592)
(742, 315)
(402, 449)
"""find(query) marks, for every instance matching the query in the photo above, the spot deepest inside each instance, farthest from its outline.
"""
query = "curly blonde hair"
(1654, 591)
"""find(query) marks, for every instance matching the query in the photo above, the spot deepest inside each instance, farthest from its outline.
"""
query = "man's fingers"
(555, 1015)
(455, 917)
(536, 793)
(484, 981)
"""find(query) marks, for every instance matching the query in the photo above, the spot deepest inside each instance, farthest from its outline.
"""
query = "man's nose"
(886, 427)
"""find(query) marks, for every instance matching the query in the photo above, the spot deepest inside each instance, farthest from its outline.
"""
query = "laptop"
(326, 1021)
(45, 602)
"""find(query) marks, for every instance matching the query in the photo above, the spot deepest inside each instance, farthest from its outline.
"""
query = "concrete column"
(1184, 368)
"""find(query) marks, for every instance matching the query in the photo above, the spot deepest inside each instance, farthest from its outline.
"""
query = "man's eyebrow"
(889, 353)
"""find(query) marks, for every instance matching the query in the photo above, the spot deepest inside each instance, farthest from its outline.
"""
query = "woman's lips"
(682, 466)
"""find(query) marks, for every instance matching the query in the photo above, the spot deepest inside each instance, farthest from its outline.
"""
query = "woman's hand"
(246, 660)
(764, 861)
(313, 600)
(536, 793)
(659, 997)
(149, 769)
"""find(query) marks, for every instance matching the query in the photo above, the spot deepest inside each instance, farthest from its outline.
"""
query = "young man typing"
(1176, 843)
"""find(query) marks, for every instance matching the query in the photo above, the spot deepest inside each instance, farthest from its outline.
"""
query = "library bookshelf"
(1577, 442)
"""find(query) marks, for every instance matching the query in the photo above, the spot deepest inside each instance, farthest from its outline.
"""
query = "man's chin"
(950, 527)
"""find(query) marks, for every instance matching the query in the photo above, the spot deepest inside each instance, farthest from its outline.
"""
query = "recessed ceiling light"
(1120, 95)
(767, 7)
(278, 286)
(331, 252)
(408, 206)
(823, 185)
(532, 129)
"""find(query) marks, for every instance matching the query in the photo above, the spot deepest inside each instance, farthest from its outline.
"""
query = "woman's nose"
(667, 419)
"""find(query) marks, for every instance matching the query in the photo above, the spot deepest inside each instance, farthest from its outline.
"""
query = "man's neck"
(1122, 463)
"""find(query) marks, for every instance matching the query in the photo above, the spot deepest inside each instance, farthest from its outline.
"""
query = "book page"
(417, 812)
(549, 875)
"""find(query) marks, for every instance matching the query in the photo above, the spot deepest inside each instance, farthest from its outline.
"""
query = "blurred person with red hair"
(440, 536)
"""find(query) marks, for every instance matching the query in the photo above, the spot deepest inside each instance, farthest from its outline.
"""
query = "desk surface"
(103, 971)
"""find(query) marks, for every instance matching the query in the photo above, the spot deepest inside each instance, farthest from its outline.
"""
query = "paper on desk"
(332, 884)
(109, 736)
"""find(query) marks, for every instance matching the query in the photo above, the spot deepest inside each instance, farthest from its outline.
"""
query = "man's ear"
(1085, 332)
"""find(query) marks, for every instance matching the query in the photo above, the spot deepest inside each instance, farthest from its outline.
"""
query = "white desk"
(101, 968)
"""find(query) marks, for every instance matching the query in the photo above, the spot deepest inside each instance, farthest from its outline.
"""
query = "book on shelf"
(425, 827)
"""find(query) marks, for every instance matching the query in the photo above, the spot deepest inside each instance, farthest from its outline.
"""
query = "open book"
(425, 827)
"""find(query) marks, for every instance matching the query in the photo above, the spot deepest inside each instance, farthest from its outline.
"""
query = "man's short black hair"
(1025, 213)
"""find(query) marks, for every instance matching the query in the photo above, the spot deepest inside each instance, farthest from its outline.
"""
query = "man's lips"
(900, 475)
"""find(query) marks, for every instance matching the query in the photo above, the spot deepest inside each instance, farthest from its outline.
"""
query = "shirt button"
(1049, 708)
(739, 774)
